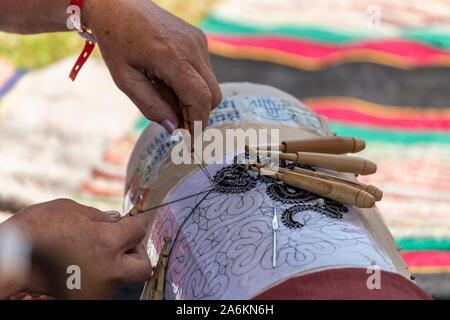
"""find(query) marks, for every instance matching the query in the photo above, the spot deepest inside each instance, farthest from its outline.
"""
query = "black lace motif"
(234, 179)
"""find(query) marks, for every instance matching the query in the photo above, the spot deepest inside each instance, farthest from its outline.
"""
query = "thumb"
(135, 266)
(139, 88)
(133, 230)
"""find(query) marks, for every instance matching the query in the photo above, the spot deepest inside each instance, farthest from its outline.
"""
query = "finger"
(213, 85)
(144, 95)
(132, 231)
(136, 266)
(19, 296)
(112, 215)
(204, 68)
(92, 213)
(101, 216)
(137, 251)
(191, 89)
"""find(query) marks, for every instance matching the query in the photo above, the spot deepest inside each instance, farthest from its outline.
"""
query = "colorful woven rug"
(385, 81)
(313, 34)
(376, 69)
(54, 134)
(87, 165)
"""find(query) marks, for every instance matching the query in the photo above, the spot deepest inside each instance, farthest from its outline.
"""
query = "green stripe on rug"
(140, 126)
(435, 38)
(217, 25)
(390, 136)
(423, 244)
(212, 25)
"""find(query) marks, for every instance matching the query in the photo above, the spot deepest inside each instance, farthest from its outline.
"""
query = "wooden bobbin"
(134, 211)
(328, 161)
(330, 145)
(373, 190)
(329, 189)
(157, 281)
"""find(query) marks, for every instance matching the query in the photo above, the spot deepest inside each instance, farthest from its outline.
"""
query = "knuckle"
(204, 97)
(158, 51)
(149, 110)
(121, 83)
(181, 61)
(171, 51)
(108, 241)
(201, 37)
(174, 52)
(217, 98)
(139, 229)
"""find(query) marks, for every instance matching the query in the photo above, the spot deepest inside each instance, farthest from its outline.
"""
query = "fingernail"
(169, 126)
(113, 214)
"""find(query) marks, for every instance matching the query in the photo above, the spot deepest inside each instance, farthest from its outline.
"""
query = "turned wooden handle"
(134, 211)
(337, 191)
(333, 145)
(373, 190)
(185, 117)
(328, 161)
(332, 162)
(330, 189)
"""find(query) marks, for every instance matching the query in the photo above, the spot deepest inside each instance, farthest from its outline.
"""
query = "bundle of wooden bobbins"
(322, 153)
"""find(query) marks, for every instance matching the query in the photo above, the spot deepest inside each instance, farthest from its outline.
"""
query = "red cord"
(77, 3)
(88, 47)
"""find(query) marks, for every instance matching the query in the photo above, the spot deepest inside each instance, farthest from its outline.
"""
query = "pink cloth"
(344, 284)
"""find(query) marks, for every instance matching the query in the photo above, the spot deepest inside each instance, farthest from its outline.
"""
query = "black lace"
(234, 179)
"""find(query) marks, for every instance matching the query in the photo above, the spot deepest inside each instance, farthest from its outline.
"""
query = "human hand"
(140, 42)
(27, 296)
(109, 248)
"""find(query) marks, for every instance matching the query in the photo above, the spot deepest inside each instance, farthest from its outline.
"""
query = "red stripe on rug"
(354, 117)
(427, 258)
(120, 151)
(98, 173)
(91, 189)
(357, 114)
(417, 53)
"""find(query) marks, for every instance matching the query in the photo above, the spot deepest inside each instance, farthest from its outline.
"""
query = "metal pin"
(275, 228)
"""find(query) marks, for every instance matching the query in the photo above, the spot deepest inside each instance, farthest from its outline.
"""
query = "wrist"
(83, 13)
(88, 12)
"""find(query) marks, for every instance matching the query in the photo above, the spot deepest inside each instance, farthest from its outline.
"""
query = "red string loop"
(88, 47)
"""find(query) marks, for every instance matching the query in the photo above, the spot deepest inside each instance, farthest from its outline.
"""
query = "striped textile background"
(384, 80)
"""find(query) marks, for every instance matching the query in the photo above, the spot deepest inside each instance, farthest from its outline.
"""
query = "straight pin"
(275, 229)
